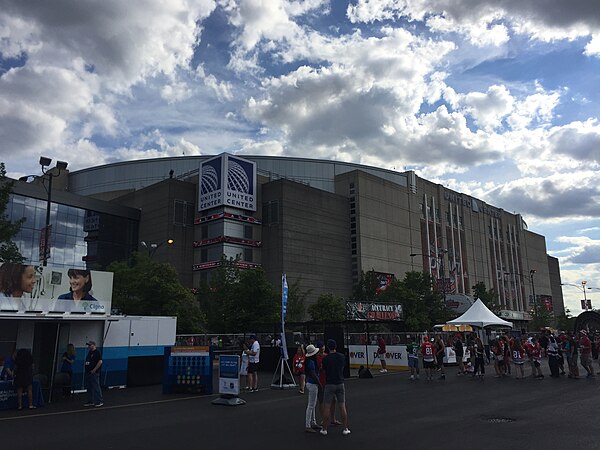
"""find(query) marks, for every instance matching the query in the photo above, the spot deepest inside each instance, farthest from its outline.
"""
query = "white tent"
(479, 315)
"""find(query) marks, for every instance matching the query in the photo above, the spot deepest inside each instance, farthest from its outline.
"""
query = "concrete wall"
(311, 240)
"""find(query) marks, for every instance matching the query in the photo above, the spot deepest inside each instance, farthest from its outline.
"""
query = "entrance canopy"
(478, 315)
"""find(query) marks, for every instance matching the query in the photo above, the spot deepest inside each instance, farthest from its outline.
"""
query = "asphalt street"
(388, 411)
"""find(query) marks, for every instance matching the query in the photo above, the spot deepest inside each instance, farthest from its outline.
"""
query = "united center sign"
(227, 180)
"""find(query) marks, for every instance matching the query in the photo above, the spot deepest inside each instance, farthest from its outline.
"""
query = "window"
(204, 232)
(248, 254)
(247, 231)
(183, 214)
(271, 213)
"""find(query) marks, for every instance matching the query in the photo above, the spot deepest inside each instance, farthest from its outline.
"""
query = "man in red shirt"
(381, 354)
(585, 346)
(428, 353)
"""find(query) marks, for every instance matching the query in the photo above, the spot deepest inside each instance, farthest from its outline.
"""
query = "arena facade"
(320, 222)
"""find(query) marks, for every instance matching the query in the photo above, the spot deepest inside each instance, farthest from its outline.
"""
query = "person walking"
(381, 353)
(459, 352)
(585, 346)
(299, 367)
(24, 377)
(428, 353)
(572, 355)
(479, 370)
(535, 350)
(68, 358)
(334, 364)
(552, 352)
(412, 349)
(311, 369)
(93, 363)
(440, 352)
(518, 358)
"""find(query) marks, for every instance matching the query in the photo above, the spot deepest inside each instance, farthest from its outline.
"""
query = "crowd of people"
(565, 352)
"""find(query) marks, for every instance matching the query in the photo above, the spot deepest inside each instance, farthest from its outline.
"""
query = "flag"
(284, 300)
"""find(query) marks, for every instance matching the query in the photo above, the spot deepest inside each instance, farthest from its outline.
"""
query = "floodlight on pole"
(60, 166)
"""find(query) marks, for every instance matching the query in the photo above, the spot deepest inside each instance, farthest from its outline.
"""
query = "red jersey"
(536, 351)
(299, 364)
(427, 351)
(381, 344)
(586, 345)
(322, 374)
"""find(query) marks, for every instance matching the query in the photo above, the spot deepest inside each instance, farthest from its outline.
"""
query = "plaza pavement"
(388, 411)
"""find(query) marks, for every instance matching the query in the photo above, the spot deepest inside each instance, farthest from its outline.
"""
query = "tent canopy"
(479, 315)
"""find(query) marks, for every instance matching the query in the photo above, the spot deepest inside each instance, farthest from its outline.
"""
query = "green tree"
(423, 307)
(296, 307)
(565, 322)
(540, 318)
(145, 287)
(239, 300)
(9, 252)
(328, 308)
(488, 297)
(366, 288)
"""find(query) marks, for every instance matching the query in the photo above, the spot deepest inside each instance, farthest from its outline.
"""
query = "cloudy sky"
(494, 98)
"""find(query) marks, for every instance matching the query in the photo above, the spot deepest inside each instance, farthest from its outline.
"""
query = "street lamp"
(585, 305)
(531, 274)
(152, 247)
(60, 165)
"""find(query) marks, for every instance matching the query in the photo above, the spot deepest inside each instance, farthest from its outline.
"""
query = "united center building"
(320, 222)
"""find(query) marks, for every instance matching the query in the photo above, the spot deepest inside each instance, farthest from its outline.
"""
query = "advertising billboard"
(373, 311)
(227, 180)
(46, 289)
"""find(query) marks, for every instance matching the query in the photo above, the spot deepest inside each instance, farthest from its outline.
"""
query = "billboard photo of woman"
(80, 281)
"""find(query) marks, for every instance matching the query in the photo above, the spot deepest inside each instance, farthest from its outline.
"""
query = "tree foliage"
(9, 251)
(239, 300)
(540, 318)
(296, 306)
(145, 287)
(488, 297)
(566, 321)
(422, 306)
(328, 308)
(366, 288)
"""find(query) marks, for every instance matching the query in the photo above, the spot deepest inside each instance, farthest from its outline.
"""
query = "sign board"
(586, 304)
(373, 311)
(227, 180)
(46, 289)
(229, 374)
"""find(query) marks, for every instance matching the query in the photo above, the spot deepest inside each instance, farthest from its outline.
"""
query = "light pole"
(60, 165)
(585, 305)
(154, 246)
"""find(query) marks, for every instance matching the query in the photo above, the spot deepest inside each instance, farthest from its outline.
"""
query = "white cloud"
(488, 109)
(593, 47)
(175, 92)
(486, 22)
(80, 60)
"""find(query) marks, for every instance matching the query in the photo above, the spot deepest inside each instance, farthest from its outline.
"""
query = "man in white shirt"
(253, 359)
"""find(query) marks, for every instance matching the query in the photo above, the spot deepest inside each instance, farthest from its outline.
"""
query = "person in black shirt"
(459, 351)
(24, 377)
(333, 364)
(93, 362)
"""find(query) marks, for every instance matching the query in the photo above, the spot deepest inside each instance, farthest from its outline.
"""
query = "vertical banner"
(284, 299)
